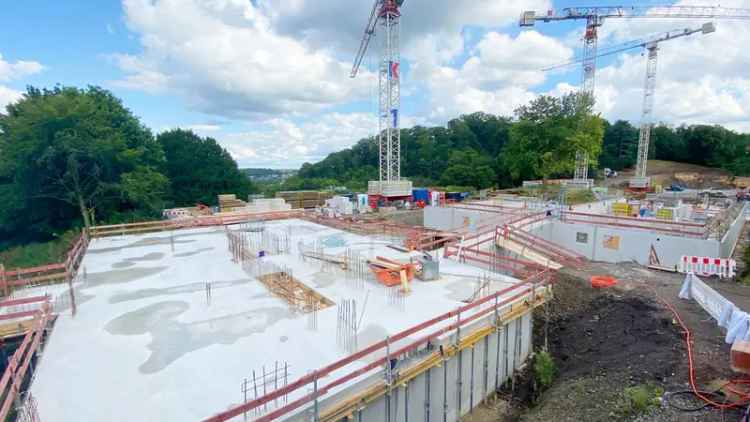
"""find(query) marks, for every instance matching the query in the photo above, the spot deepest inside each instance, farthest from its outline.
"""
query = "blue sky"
(269, 79)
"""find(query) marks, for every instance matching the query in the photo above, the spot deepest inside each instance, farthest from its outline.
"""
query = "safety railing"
(427, 331)
(687, 229)
(542, 246)
(46, 274)
(12, 379)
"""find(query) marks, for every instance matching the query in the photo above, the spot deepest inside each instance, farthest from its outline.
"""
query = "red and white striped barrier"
(707, 266)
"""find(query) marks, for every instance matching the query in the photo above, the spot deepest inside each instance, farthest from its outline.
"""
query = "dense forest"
(74, 157)
(482, 149)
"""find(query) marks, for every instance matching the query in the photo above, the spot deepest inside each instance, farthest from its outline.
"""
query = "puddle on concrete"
(171, 339)
(301, 229)
(333, 241)
(149, 241)
(324, 279)
(175, 290)
(191, 253)
(153, 256)
(129, 262)
(119, 276)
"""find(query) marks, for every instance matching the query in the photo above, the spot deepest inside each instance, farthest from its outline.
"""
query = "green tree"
(469, 168)
(199, 169)
(620, 145)
(63, 154)
(549, 131)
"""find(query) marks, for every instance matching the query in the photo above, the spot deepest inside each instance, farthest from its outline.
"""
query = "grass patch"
(544, 369)
(551, 192)
(640, 399)
(37, 253)
(745, 276)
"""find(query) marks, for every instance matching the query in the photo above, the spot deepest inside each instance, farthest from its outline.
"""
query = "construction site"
(395, 304)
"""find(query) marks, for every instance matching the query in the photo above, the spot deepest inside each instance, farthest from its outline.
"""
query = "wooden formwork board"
(297, 294)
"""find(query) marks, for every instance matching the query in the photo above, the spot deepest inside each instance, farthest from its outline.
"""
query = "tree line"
(73, 157)
(482, 150)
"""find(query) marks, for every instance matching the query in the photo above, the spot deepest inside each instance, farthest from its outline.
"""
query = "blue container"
(455, 196)
(421, 194)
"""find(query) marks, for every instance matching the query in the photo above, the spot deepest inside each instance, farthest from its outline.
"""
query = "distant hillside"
(268, 175)
(482, 150)
(665, 173)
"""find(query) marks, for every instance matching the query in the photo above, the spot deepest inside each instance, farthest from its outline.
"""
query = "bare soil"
(665, 173)
(605, 340)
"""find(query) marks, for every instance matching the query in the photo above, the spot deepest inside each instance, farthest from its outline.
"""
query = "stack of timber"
(304, 198)
(229, 202)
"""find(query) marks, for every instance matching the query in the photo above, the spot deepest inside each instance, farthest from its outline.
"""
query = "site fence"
(381, 354)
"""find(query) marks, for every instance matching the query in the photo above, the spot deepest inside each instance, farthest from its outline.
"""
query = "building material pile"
(304, 198)
(294, 292)
(259, 206)
(229, 203)
(340, 205)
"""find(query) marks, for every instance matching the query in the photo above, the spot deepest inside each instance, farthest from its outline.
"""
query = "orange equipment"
(392, 273)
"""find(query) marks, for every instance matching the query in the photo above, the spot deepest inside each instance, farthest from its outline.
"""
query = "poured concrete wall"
(729, 241)
(449, 218)
(459, 384)
(632, 245)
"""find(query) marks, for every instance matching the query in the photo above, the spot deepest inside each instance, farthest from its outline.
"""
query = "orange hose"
(691, 368)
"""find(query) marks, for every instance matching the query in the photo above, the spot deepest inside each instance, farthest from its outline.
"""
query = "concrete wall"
(633, 245)
(729, 241)
(451, 390)
(448, 218)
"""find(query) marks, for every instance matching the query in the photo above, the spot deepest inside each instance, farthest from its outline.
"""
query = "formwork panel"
(415, 405)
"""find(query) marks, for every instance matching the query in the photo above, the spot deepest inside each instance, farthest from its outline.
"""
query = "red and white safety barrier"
(707, 266)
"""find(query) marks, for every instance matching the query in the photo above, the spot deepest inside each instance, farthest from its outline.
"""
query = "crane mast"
(385, 17)
(640, 180)
(595, 17)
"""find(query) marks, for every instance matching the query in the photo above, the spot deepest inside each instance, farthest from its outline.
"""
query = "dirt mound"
(612, 333)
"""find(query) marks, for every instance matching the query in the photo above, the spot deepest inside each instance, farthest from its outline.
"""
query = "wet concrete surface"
(324, 279)
(175, 290)
(172, 339)
(119, 276)
(191, 253)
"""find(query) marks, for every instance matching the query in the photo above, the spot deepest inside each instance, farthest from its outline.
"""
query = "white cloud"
(225, 58)
(13, 71)
(7, 96)
(283, 143)
(203, 127)
(701, 79)
(497, 77)
(17, 70)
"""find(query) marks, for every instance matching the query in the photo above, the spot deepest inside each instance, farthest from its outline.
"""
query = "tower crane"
(651, 44)
(595, 17)
(387, 15)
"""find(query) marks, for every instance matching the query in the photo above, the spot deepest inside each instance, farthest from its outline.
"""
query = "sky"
(269, 79)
